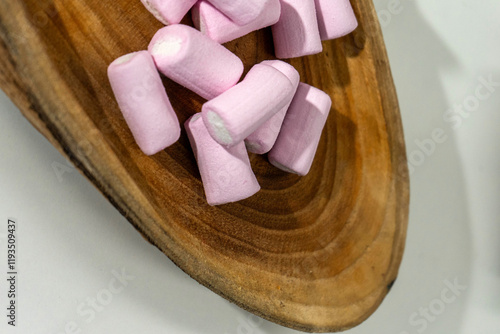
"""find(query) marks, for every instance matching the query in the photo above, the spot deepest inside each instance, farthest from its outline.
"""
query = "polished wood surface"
(316, 253)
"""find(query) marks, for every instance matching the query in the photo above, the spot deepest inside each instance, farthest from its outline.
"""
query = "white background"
(71, 239)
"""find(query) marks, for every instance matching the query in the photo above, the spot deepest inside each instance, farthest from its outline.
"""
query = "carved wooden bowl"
(315, 253)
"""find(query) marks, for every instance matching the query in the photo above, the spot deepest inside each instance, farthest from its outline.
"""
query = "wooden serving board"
(316, 253)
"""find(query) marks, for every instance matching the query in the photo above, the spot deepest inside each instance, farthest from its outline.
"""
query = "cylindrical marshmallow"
(262, 140)
(194, 61)
(226, 173)
(335, 18)
(241, 12)
(299, 137)
(235, 114)
(220, 28)
(168, 11)
(143, 101)
(297, 34)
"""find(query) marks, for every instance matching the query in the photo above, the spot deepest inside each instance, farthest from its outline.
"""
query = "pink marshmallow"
(143, 101)
(226, 173)
(234, 115)
(297, 34)
(169, 11)
(220, 28)
(194, 61)
(335, 18)
(241, 12)
(262, 140)
(299, 137)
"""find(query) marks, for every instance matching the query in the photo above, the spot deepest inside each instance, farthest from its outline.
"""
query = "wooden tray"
(316, 253)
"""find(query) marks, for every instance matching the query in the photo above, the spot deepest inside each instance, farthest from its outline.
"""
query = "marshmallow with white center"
(262, 140)
(299, 137)
(143, 101)
(335, 18)
(220, 28)
(241, 12)
(235, 114)
(226, 173)
(297, 34)
(169, 11)
(194, 61)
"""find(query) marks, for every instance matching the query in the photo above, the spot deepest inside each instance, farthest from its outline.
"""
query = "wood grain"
(316, 253)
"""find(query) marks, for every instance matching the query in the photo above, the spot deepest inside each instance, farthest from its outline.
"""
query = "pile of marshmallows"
(269, 111)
